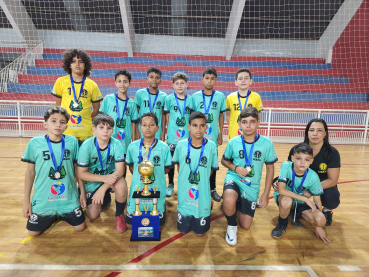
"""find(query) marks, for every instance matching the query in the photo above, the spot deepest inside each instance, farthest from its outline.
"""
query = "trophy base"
(147, 239)
(152, 195)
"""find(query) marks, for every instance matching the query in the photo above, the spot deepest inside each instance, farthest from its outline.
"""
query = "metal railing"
(24, 119)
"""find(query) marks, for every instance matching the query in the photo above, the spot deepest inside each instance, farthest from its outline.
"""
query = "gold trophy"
(154, 210)
(146, 169)
(137, 212)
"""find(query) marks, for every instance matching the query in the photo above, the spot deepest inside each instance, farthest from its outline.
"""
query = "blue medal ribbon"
(56, 167)
(117, 104)
(239, 100)
(201, 154)
(211, 100)
(140, 152)
(293, 179)
(184, 106)
(99, 155)
(248, 157)
(76, 100)
(156, 98)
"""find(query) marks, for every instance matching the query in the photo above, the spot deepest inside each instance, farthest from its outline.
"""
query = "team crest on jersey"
(121, 123)
(194, 178)
(257, 156)
(99, 171)
(52, 173)
(156, 160)
(214, 104)
(158, 104)
(204, 161)
(75, 109)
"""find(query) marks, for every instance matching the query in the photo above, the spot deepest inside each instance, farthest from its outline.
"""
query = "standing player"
(244, 157)
(177, 109)
(159, 155)
(212, 104)
(52, 159)
(152, 100)
(196, 158)
(239, 100)
(76, 93)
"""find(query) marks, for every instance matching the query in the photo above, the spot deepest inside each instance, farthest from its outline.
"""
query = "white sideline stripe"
(348, 268)
(125, 267)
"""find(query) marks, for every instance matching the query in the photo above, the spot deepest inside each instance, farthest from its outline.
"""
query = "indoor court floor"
(100, 251)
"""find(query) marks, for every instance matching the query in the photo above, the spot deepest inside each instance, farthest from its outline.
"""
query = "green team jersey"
(194, 193)
(88, 157)
(177, 127)
(218, 105)
(263, 152)
(53, 195)
(161, 158)
(311, 183)
(142, 101)
(123, 127)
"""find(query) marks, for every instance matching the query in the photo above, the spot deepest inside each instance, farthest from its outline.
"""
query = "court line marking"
(29, 238)
(354, 181)
(349, 268)
(1, 255)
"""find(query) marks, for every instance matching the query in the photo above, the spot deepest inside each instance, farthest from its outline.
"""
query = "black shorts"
(243, 205)
(172, 148)
(190, 223)
(162, 219)
(40, 223)
(89, 194)
(300, 208)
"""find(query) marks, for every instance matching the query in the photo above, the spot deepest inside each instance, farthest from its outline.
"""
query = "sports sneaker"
(279, 231)
(328, 215)
(170, 189)
(297, 223)
(215, 196)
(231, 236)
(121, 224)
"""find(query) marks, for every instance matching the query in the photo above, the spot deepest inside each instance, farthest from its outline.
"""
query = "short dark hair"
(180, 76)
(326, 146)
(68, 59)
(210, 71)
(196, 115)
(125, 73)
(56, 109)
(303, 148)
(249, 111)
(155, 70)
(150, 114)
(244, 69)
(103, 118)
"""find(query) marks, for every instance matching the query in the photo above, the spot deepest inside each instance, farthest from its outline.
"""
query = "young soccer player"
(122, 109)
(101, 165)
(244, 157)
(196, 158)
(212, 103)
(159, 155)
(76, 93)
(52, 160)
(151, 99)
(177, 109)
(296, 183)
(239, 100)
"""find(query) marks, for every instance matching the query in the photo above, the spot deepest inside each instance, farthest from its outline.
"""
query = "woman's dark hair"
(68, 59)
(326, 146)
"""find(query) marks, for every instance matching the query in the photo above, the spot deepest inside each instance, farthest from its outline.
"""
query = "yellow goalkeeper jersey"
(233, 106)
(80, 123)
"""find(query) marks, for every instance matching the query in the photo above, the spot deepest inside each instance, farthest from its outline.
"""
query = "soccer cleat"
(279, 231)
(121, 224)
(215, 196)
(328, 215)
(170, 189)
(231, 236)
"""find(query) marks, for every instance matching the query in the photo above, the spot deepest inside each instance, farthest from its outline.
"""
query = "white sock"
(326, 210)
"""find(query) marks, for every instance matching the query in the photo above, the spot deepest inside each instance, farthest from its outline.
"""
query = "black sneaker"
(215, 196)
(297, 223)
(328, 215)
(279, 231)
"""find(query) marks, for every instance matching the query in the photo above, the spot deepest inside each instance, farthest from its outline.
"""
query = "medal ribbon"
(211, 100)
(99, 155)
(248, 157)
(201, 154)
(74, 90)
(117, 104)
(140, 152)
(156, 98)
(184, 106)
(57, 168)
(239, 100)
(293, 180)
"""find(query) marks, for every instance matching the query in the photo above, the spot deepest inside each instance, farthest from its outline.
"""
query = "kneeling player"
(196, 158)
(296, 183)
(52, 159)
(101, 166)
(244, 157)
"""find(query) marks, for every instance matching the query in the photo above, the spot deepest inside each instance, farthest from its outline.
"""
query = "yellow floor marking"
(27, 239)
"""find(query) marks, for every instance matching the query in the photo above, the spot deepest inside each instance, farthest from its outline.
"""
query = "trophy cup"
(145, 224)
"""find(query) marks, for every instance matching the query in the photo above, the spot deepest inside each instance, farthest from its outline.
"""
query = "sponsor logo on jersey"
(239, 132)
(121, 135)
(180, 133)
(58, 190)
(246, 181)
(193, 193)
(209, 129)
(75, 119)
(323, 168)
